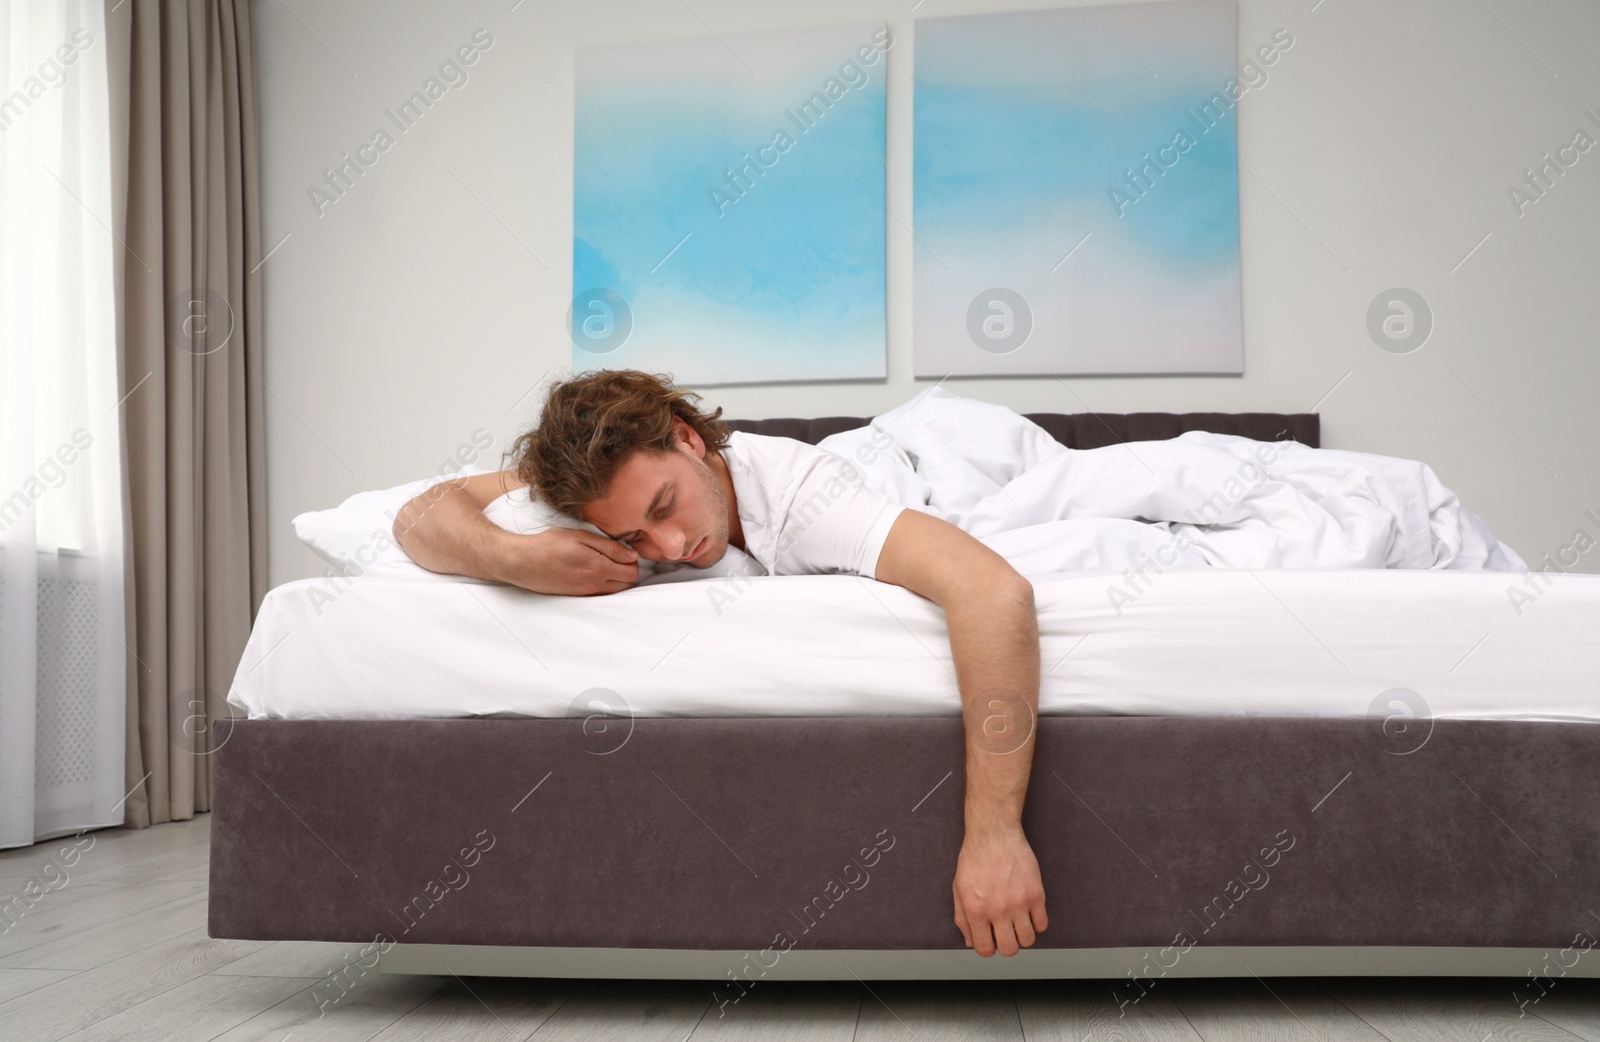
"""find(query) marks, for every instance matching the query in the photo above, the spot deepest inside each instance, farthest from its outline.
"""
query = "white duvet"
(1197, 500)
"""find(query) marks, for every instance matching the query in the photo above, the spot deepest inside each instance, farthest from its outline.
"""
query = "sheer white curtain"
(62, 653)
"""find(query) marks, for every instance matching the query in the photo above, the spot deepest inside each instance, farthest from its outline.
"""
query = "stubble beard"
(717, 543)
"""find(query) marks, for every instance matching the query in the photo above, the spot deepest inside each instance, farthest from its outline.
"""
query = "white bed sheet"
(1208, 642)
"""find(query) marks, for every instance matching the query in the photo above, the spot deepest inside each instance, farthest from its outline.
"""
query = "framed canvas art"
(728, 207)
(1076, 191)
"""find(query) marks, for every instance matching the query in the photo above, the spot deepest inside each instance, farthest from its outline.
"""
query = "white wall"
(431, 299)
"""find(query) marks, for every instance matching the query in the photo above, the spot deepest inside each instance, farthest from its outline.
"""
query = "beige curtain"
(189, 364)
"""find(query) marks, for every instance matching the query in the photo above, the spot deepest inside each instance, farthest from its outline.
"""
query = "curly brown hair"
(592, 424)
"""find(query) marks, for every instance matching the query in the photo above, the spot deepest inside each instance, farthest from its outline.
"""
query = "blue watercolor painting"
(1076, 191)
(728, 207)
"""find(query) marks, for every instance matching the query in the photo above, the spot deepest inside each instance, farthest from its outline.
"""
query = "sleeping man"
(664, 480)
(956, 500)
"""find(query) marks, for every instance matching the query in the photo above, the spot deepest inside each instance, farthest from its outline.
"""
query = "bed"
(1270, 773)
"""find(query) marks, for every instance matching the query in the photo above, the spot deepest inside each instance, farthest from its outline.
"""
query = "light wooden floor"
(120, 953)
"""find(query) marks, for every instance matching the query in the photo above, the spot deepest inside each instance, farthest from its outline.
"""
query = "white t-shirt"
(805, 511)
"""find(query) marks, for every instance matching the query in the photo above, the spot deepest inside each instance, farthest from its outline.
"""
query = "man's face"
(669, 506)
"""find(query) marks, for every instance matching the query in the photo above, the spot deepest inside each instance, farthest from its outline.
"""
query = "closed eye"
(657, 511)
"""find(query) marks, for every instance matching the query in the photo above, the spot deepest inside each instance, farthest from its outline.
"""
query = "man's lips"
(698, 549)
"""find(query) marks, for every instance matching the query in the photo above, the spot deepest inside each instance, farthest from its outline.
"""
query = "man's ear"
(688, 439)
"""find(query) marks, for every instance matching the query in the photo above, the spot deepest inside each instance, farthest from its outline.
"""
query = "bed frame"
(741, 849)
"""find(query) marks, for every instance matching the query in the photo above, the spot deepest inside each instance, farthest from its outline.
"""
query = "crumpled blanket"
(1194, 501)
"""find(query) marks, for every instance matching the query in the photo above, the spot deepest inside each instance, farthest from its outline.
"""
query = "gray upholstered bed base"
(782, 836)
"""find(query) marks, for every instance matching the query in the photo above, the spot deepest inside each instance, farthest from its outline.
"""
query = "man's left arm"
(994, 639)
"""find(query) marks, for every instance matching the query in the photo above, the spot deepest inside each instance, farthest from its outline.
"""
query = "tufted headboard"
(1090, 430)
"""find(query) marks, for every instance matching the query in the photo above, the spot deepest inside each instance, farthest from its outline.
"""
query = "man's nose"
(671, 541)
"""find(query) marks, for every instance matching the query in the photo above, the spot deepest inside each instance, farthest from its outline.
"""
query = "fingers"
(994, 935)
(976, 929)
(611, 548)
(1028, 923)
(980, 936)
(1005, 937)
(617, 576)
(1002, 932)
(1022, 930)
(601, 587)
(595, 585)
(617, 567)
(961, 922)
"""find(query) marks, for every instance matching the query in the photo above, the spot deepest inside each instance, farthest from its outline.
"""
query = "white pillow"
(518, 511)
(357, 536)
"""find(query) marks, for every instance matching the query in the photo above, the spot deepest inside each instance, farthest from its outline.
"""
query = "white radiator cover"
(64, 722)
(77, 697)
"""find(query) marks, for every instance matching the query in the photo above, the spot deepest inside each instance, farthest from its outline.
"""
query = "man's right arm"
(443, 529)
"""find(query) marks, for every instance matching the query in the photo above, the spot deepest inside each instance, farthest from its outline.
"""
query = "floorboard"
(1244, 1009)
(48, 923)
(50, 1012)
(1436, 1010)
(1100, 1011)
(116, 985)
(86, 949)
(20, 982)
(326, 1013)
(1572, 1005)
(635, 1011)
(484, 1009)
(194, 1012)
(938, 1011)
(783, 1011)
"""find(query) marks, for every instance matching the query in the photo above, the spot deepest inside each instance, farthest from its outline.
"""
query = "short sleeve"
(832, 522)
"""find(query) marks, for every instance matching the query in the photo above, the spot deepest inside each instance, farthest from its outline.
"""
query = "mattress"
(1390, 645)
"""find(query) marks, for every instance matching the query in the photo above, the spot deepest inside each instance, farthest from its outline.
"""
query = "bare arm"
(994, 639)
(444, 530)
